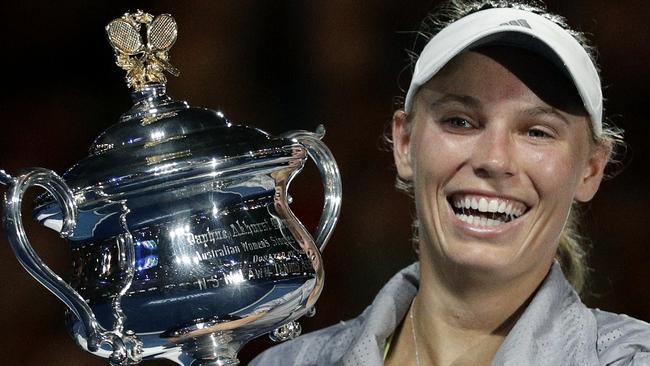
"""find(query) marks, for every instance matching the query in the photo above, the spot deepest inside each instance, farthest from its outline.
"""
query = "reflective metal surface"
(183, 242)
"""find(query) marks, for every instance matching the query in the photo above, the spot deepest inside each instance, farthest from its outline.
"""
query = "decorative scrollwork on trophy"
(144, 60)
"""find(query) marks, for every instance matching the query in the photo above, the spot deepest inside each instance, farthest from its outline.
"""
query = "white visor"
(517, 28)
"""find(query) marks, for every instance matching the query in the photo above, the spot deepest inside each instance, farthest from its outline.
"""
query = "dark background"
(282, 65)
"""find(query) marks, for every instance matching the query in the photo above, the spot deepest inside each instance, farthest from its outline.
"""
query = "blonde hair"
(573, 247)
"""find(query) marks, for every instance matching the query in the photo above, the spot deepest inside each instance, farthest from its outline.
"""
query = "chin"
(480, 257)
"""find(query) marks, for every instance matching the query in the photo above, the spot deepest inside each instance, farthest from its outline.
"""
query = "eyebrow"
(475, 103)
(455, 98)
(537, 111)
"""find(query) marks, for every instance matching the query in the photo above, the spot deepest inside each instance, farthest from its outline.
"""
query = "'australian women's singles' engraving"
(225, 250)
(244, 246)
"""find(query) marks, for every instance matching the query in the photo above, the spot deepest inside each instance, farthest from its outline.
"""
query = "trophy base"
(217, 349)
(219, 362)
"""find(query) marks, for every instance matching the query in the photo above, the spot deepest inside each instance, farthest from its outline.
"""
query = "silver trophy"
(183, 243)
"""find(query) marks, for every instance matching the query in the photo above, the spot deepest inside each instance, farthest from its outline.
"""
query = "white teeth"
(479, 221)
(510, 209)
(482, 205)
(493, 206)
(507, 210)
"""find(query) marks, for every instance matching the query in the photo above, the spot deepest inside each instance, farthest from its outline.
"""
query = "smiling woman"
(508, 136)
(500, 137)
(496, 143)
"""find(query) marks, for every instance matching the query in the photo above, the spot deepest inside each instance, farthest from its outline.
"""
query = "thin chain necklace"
(415, 337)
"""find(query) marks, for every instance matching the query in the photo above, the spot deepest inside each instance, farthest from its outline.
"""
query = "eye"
(458, 123)
(538, 133)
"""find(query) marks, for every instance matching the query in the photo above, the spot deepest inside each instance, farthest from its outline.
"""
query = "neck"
(463, 319)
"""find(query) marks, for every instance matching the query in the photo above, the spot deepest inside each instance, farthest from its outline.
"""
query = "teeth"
(482, 205)
(479, 221)
(493, 206)
(510, 209)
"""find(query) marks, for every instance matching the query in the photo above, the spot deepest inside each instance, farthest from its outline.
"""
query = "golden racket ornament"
(144, 61)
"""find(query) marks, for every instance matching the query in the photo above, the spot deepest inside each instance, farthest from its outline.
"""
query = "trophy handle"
(96, 335)
(331, 176)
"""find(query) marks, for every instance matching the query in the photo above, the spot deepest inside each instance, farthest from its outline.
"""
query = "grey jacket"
(556, 329)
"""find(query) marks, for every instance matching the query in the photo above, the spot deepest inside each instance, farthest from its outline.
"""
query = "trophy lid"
(160, 139)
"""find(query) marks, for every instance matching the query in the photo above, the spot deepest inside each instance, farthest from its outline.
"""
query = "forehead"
(491, 70)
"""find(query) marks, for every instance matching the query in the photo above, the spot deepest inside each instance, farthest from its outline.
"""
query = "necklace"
(415, 337)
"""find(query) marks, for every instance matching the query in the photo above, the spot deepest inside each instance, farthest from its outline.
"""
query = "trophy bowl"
(182, 240)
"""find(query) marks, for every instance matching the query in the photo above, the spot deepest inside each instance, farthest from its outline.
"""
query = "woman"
(500, 135)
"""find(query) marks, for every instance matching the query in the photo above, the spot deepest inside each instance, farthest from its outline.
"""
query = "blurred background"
(283, 65)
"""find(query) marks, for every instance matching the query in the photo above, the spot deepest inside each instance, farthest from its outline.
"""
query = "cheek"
(435, 161)
(554, 172)
(439, 156)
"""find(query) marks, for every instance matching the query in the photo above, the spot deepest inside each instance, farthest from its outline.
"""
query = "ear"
(593, 172)
(401, 145)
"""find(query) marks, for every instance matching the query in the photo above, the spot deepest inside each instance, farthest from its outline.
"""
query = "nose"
(494, 155)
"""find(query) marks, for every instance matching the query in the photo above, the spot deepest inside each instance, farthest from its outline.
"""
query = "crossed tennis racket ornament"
(145, 60)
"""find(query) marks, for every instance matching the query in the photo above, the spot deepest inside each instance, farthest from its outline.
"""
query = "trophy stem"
(219, 362)
(217, 349)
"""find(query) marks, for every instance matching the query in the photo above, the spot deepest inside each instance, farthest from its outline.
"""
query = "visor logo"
(519, 22)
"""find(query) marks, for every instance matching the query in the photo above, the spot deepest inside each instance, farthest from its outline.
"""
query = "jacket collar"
(556, 327)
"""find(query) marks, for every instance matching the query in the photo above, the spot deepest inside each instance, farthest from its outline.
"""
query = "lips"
(486, 211)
